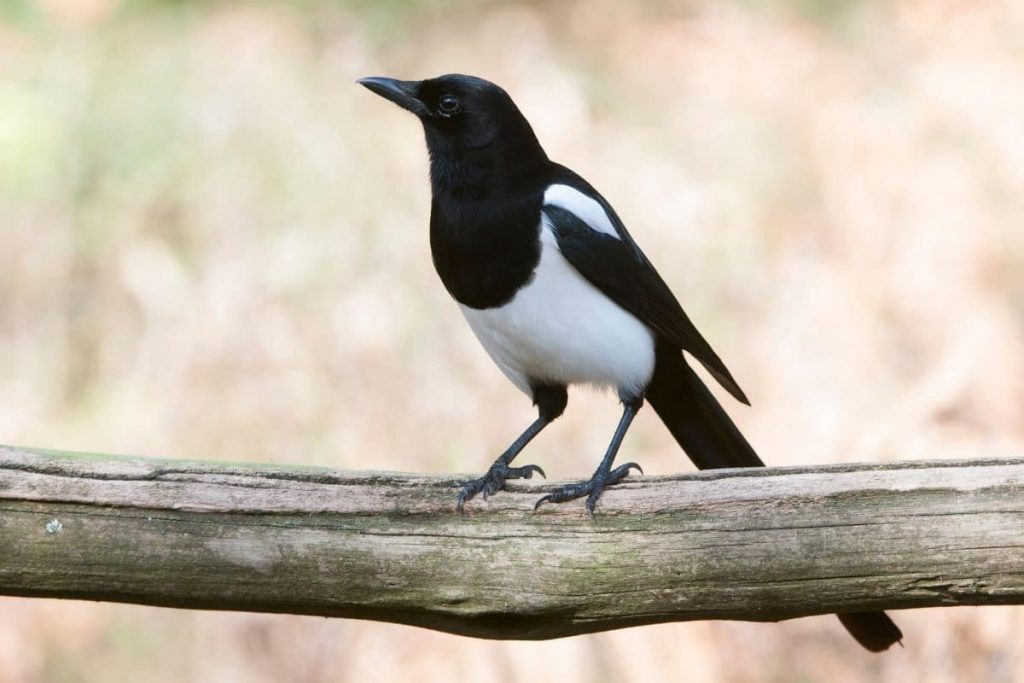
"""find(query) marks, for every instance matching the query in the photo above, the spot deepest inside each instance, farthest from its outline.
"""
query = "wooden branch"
(730, 544)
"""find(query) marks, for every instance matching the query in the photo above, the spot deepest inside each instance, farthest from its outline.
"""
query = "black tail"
(712, 440)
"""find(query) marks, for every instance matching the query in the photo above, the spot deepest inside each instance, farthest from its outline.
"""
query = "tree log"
(753, 544)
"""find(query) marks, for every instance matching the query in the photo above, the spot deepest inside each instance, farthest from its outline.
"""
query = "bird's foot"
(494, 481)
(591, 489)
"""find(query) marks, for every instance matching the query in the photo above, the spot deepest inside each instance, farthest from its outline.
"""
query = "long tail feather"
(712, 441)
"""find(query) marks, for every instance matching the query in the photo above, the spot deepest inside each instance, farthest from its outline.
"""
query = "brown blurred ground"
(213, 244)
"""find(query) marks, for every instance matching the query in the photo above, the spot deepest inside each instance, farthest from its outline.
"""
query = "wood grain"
(762, 545)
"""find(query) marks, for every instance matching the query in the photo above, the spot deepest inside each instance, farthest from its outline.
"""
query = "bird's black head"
(472, 126)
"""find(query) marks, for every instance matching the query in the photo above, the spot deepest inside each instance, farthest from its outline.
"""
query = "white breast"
(560, 328)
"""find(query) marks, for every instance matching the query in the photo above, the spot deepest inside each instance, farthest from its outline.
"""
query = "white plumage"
(586, 208)
(560, 328)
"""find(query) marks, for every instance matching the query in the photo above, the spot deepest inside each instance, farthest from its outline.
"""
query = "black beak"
(402, 93)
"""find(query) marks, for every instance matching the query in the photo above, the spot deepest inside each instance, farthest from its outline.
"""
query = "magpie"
(559, 293)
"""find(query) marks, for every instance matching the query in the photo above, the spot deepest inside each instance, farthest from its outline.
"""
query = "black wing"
(617, 267)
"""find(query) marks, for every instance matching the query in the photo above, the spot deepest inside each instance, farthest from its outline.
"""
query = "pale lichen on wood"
(730, 544)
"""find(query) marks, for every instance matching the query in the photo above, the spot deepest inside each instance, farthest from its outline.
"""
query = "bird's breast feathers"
(560, 328)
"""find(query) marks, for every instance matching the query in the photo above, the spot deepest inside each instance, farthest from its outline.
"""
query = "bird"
(559, 293)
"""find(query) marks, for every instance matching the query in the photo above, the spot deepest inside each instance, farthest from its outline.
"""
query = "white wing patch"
(588, 209)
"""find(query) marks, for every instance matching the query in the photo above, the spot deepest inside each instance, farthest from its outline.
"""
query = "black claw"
(494, 481)
(525, 472)
(591, 489)
(622, 471)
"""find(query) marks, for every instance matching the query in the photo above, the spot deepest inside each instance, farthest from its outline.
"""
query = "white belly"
(559, 328)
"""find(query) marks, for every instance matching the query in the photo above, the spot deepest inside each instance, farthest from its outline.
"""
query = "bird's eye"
(449, 105)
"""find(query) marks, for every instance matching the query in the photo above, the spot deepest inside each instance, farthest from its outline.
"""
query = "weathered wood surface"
(731, 544)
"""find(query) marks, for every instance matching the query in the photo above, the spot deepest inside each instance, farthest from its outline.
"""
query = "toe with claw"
(591, 489)
(494, 481)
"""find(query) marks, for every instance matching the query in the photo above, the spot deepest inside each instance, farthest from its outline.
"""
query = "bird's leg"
(550, 402)
(494, 480)
(604, 475)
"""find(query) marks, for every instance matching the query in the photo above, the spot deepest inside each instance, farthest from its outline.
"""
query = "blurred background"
(213, 244)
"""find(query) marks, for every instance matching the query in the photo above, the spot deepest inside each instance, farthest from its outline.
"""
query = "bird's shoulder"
(594, 240)
(590, 234)
(567, 190)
